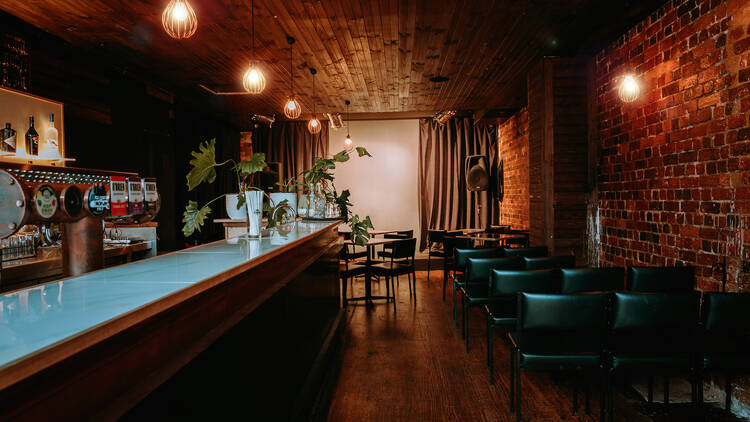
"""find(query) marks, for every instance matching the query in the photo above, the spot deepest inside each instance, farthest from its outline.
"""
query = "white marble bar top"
(38, 317)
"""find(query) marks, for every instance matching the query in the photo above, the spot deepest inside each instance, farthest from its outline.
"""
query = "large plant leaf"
(276, 214)
(203, 162)
(194, 217)
(362, 152)
(255, 164)
(341, 157)
(240, 200)
(360, 234)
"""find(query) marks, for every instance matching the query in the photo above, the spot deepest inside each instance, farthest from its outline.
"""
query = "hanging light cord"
(252, 31)
(291, 67)
(313, 98)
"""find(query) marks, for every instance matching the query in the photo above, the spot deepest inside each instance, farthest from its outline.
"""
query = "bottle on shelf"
(32, 139)
(50, 148)
(8, 139)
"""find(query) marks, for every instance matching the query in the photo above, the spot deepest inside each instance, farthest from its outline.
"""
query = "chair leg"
(388, 289)
(588, 396)
(728, 394)
(611, 396)
(512, 382)
(650, 389)
(393, 288)
(575, 397)
(466, 321)
(518, 385)
(666, 389)
(445, 278)
(414, 282)
(603, 396)
(428, 266)
(455, 306)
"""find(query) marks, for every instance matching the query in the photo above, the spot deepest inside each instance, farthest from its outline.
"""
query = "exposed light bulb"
(629, 89)
(179, 19)
(314, 126)
(348, 143)
(292, 109)
(254, 81)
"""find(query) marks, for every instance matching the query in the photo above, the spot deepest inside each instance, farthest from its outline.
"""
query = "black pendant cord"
(348, 118)
(252, 31)
(313, 97)
(291, 67)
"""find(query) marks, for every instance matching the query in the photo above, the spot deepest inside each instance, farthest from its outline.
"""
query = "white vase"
(231, 204)
(254, 202)
(290, 197)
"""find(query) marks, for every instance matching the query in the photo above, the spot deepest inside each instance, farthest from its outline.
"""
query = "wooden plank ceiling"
(379, 54)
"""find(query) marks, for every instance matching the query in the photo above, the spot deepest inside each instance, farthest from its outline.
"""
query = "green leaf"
(362, 152)
(360, 235)
(341, 157)
(203, 164)
(255, 164)
(193, 217)
(240, 200)
(276, 214)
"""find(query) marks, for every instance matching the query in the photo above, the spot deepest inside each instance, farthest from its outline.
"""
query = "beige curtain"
(444, 201)
(291, 144)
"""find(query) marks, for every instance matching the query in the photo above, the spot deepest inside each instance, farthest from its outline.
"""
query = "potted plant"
(203, 169)
(320, 182)
(288, 193)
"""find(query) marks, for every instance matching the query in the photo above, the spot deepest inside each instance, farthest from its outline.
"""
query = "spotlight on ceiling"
(335, 119)
(443, 116)
(267, 120)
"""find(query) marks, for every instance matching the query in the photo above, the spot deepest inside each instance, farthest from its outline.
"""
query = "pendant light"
(292, 108)
(629, 89)
(348, 143)
(179, 19)
(253, 81)
(314, 125)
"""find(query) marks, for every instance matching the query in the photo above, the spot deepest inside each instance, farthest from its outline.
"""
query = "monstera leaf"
(193, 217)
(341, 157)
(255, 164)
(362, 152)
(343, 203)
(204, 163)
(360, 235)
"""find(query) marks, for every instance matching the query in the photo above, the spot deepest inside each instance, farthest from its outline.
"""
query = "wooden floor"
(411, 365)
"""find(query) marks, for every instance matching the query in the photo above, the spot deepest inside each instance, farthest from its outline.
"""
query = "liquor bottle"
(52, 134)
(32, 139)
(8, 139)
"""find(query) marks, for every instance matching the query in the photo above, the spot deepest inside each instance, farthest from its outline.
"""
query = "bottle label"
(98, 200)
(118, 196)
(45, 201)
(135, 196)
(151, 195)
(9, 140)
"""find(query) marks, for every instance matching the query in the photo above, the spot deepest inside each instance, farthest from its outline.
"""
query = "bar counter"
(133, 326)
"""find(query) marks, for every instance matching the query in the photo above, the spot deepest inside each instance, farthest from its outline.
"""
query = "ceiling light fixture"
(442, 117)
(314, 125)
(336, 121)
(292, 108)
(348, 143)
(179, 19)
(629, 89)
(253, 81)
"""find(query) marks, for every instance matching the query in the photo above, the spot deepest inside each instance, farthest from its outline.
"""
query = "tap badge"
(98, 200)
(45, 201)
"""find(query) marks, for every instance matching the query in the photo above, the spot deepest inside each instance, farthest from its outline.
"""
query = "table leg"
(368, 277)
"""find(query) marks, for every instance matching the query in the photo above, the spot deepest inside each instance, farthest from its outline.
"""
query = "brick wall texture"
(674, 169)
(513, 142)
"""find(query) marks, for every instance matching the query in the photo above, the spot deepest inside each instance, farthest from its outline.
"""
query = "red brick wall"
(674, 172)
(513, 149)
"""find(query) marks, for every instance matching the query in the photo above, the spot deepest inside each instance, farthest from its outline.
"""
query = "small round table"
(371, 243)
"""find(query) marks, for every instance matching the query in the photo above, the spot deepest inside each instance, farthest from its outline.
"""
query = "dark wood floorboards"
(411, 365)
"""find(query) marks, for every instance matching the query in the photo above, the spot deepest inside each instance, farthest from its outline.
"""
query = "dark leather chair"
(725, 345)
(577, 280)
(497, 229)
(546, 262)
(559, 332)
(653, 333)
(534, 251)
(661, 279)
(401, 262)
(347, 269)
(451, 242)
(475, 286)
(518, 242)
(501, 307)
(435, 247)
(459, 267)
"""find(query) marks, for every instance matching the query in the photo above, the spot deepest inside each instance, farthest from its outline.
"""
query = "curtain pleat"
(445, 203)
(291, 144)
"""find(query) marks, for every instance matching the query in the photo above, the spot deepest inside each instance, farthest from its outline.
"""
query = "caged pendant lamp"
(253, 81)
(314, 126)
(292, 108)
(179, 19)
(629, 89)
(348, 143)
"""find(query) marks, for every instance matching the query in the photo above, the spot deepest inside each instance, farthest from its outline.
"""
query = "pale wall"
(384, 186)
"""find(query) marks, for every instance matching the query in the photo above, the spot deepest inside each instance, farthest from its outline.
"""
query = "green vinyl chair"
(578, 280)
(546, 262)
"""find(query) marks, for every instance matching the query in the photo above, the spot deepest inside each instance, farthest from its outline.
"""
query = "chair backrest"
(534, 251)
(575, 280)
(478, 269)
(561, 323)
(543, 263)
(654, 322)
(403, 249)
(435, 236)
(406, 234)
(726, 322)
(505, 282)
(661, 279)
(452, 243)
(460, 256)
(497, 229)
